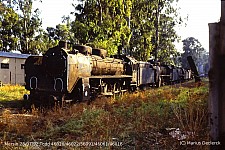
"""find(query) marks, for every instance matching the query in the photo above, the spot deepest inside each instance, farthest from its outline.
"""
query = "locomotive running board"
(107, 94)
(111, 76)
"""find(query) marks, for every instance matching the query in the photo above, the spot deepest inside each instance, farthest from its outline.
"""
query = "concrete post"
(217, 80)
(213, 81)
(222, 11)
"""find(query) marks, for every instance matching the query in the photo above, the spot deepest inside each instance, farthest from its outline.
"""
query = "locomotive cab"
(130, 68)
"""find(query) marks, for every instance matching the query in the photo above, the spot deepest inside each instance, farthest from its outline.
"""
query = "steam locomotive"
(83, 73)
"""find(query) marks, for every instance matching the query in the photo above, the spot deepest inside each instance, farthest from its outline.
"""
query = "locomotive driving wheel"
(117, 89)
(159, 82)
(63, 102)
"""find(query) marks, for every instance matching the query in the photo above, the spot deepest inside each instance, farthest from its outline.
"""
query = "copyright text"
(199, 143)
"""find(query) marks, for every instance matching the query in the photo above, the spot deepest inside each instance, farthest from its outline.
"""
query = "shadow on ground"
(16, 105)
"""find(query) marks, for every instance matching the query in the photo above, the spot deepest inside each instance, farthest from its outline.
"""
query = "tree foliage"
(192, 47)
(8, 27)
(130, 23)
(102, 23)
(141, 27)
(21, 26)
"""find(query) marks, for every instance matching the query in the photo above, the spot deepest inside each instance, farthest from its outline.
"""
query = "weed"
(190, 109)
(139, 120)
(9, 92)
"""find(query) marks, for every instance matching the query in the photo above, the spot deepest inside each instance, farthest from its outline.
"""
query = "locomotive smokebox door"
(86, 89)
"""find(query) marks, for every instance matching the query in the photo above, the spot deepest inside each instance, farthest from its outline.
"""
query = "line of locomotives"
(83, 73)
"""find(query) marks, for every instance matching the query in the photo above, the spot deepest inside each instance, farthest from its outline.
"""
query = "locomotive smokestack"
(63, 44)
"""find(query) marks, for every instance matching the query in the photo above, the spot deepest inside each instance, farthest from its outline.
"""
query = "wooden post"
(217, 80)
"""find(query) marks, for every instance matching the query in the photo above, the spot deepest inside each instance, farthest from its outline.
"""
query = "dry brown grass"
(138, 120)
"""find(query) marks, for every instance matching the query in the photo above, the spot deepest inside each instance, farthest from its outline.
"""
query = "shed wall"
(14, 74)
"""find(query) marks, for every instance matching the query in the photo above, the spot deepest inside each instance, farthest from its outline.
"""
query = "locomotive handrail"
(31, 82)
(56, 82)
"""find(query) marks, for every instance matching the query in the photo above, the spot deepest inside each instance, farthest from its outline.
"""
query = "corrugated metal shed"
(13, 55)
(12, 67)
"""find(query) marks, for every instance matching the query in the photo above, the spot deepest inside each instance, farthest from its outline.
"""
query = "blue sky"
(200, 13)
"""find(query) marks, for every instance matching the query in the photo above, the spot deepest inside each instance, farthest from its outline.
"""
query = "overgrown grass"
(11, 96)
(142, 120)
(9, 92)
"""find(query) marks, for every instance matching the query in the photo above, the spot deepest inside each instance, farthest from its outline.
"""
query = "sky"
(52, 11)
(199, 12)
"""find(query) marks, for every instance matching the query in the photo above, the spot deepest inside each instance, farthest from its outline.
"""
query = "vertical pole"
(213, 82)
(221, 79)
(217, 80)
(222, 19)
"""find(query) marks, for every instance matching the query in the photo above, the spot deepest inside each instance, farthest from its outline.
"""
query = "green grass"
(138, 120)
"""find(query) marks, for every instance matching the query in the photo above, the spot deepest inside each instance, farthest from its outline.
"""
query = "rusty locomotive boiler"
(102, 65)
(83, 73)
(62, 75)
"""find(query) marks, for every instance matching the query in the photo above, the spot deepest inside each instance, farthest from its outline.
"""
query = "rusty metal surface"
(99, 52)
(78, 66)
(110, 76)
(107, 66)
(77, 75)
(146, 73)
(83, 49)
(175, 75)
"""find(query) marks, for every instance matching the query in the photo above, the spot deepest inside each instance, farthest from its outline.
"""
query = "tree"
(27, 26)
(142, 27)
(60, 32)
(192, 47)
(168, 19)
(8, 26)
(101, 23)
(130, 23)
